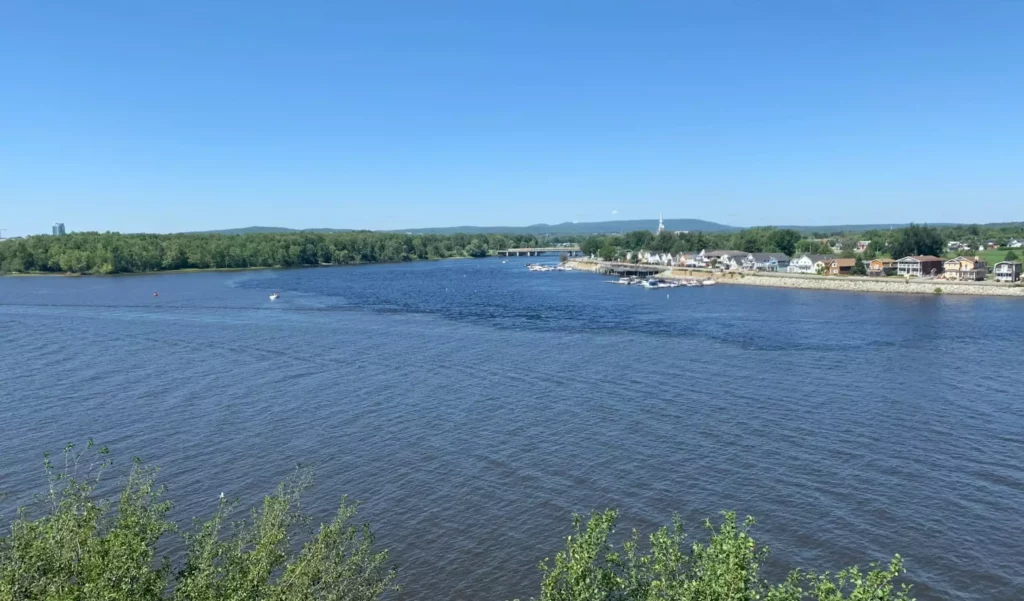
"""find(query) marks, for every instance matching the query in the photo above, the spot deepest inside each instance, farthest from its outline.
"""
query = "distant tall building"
(58, 229)
(661, 223)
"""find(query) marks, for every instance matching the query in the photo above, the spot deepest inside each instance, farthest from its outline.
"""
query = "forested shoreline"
(111, 253)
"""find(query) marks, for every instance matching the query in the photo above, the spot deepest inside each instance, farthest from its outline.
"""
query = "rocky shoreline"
(890, 285)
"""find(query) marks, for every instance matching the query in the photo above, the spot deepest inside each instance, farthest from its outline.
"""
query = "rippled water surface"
(473, 406)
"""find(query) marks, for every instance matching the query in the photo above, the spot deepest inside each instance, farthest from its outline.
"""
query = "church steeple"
(661, 222)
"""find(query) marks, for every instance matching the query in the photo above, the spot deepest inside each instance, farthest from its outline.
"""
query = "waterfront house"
(690, 259)
(808, 263)
(919, 266)
(766, 262)
(879, 267)
(862, 246)
(655, 258)
(965, 269)
(732, 262)
(1007, 271)
(712, 258)
(841, 266)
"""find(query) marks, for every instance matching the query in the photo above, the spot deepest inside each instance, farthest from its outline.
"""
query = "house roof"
(816, 258)
(919, 259)
(844, 262)
(883, 261)
(762, 257)
(721, 253)
(1008, 263)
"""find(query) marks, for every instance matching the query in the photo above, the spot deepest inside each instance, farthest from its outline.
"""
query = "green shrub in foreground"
(667, 568)
(78, 546)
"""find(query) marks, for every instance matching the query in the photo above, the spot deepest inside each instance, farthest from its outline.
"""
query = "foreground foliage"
(668, 568)
(77, 546)
(134, 253)
(84, 548)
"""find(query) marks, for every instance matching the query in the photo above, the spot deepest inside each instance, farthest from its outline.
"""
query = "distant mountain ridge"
(598, 227)
(569, 228)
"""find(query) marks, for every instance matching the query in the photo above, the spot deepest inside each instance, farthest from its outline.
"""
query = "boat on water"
(275, 296)
(708, 282)
(538, 267)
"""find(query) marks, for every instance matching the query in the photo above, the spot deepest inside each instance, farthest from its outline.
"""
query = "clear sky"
(200, 114)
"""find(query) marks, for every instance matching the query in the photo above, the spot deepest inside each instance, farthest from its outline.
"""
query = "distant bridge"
(572, 251)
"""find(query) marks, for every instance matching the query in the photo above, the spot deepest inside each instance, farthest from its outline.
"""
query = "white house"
(919, 266)
(733, 261)
(1007, 271)
(719, 258)
(1016, 243)
(655, 258)
(808, 263)
(766, 262)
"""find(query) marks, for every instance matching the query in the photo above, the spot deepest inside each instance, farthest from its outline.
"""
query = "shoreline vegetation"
(112, 253)
(77, 543)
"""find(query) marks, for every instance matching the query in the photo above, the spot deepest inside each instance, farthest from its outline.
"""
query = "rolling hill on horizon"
(597, 227)
(566, 228)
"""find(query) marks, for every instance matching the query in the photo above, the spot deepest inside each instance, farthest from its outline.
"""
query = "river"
(473, 406)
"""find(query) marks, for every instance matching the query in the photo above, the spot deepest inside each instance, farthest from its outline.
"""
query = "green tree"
(608, 253)
(592, 245)
(81, 547)
(1011, 256)
(917, 240)
(476, 248)
(858, 267)
(725, 568)
(784, 240)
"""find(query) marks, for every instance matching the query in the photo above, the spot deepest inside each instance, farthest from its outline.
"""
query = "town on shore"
(960, 268)
(954, 254)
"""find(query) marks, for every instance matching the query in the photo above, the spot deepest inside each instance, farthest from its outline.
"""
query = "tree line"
(755, 239)
(77, 545)
(108, 253)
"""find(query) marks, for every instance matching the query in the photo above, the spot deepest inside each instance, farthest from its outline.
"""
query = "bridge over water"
(572, 251)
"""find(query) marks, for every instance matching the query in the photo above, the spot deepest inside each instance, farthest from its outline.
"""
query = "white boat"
(708, 282)
(275, 296)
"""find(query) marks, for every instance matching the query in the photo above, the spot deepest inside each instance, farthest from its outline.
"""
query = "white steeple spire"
(661, 222)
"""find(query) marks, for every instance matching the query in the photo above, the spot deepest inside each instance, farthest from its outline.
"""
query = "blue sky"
(174, 116)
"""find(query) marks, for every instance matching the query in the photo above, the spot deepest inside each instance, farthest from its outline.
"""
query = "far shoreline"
(68, 274)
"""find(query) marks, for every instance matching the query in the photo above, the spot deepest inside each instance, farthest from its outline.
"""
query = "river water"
(473, 406)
